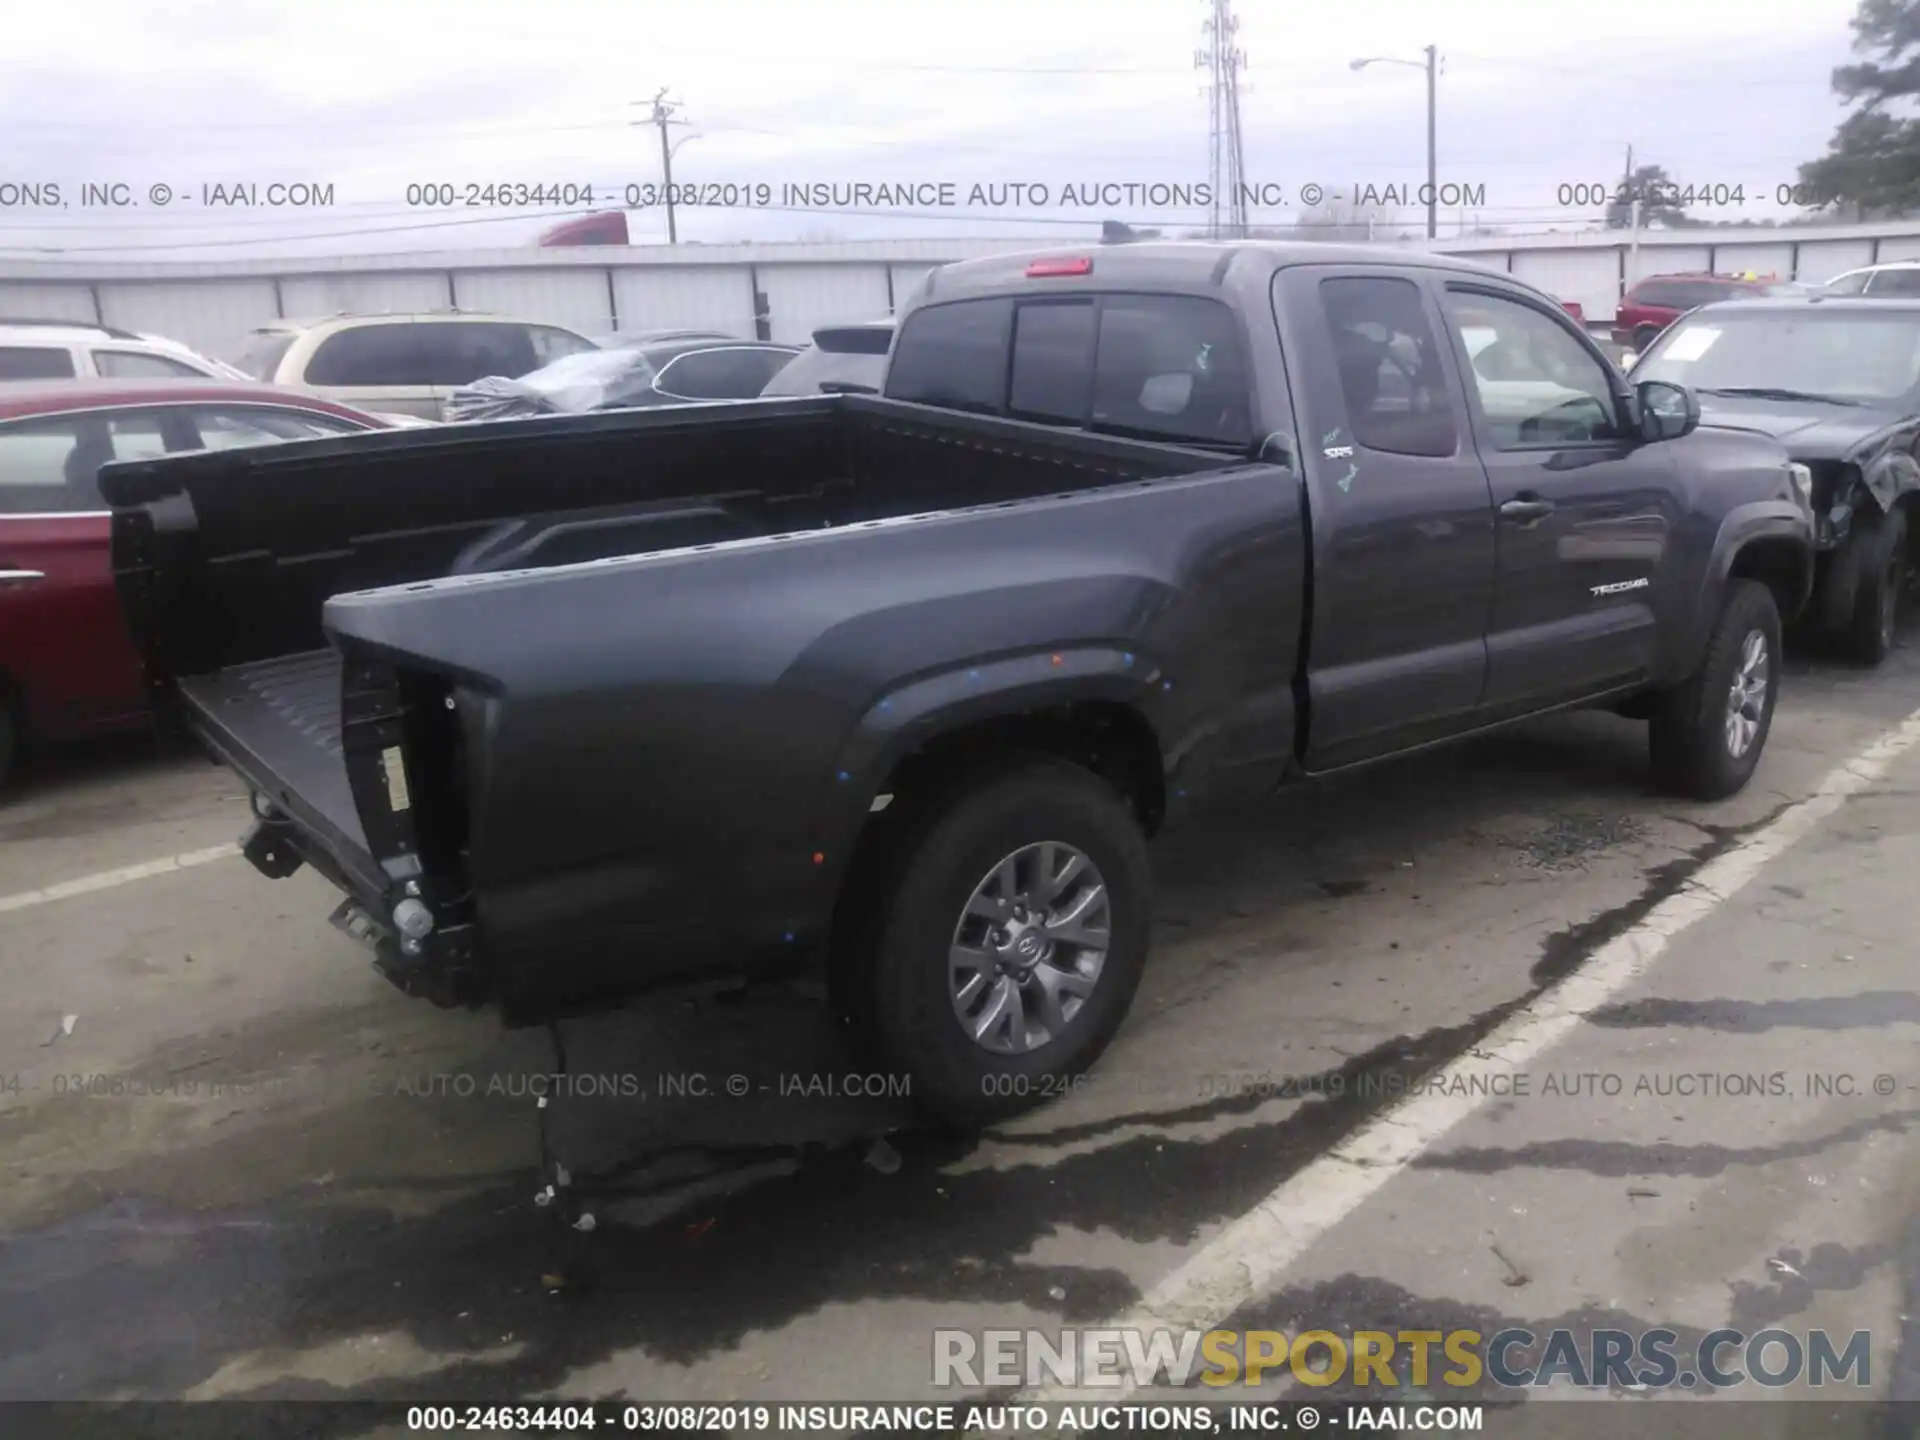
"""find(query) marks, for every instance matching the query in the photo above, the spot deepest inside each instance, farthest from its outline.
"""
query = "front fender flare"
(1757, 520)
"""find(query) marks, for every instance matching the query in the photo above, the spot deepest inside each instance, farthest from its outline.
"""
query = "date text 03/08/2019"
(1059, 1418)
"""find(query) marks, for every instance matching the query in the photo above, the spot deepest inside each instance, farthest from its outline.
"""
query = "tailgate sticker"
(396, 778)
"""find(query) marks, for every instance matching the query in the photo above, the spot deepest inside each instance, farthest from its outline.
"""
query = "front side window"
(551, 343)
(50, 466)
(1896, 282)
(1537, 384)
(261, 359)
(1854, 284)
(141, 365)
(459, 353)
(370, 355)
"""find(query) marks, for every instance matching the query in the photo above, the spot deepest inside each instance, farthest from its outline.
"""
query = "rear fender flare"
(903, 719)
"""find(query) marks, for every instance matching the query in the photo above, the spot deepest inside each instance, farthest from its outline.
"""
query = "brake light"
(1079, 265)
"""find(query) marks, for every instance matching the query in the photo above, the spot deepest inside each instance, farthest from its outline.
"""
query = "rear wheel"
(1882, 560)
(1707, 733)
(1643, 337)
(1011, 941)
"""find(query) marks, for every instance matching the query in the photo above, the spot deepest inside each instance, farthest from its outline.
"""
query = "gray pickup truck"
(902, 685)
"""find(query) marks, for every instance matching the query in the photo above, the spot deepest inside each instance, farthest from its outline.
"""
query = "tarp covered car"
(681, 372)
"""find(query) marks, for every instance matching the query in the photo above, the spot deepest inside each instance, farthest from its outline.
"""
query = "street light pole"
(1433, 153)
(1432, 66)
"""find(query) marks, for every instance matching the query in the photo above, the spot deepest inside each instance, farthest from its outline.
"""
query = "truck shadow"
(724, 1144)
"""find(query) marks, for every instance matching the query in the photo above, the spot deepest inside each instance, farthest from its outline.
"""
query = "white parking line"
(1247, 1259)
(108, 879)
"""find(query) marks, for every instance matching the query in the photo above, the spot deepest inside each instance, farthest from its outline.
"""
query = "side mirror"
(1667, 411)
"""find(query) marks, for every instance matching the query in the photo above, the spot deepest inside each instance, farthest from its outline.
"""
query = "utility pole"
(1632, 276)
(1433, 148)
(662, 116)
(1223, 60)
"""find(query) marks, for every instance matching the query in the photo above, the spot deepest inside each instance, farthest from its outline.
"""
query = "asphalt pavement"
(1490, 1039)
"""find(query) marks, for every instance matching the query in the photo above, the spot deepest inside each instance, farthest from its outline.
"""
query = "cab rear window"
(1163, 367)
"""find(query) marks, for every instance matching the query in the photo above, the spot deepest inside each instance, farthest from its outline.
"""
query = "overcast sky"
(370, 97)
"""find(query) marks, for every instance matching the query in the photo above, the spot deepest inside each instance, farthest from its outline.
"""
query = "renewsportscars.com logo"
(1655, 1359)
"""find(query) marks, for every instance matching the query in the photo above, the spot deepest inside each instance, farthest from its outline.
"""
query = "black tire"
(1643, 337)
(1881, 576)
(955, 846)
(1691, 739)
(9, 739)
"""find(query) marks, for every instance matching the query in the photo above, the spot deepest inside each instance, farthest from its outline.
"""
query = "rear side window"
(367, 355)
(35, 362)
(954, 355)
(737, 373)
(854, 339)
(1052, 361)
(238, 426)
(1663, 293)
(1391, 375)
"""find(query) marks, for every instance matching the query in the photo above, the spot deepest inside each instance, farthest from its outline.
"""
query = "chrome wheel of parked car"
(1029, 947)
(1747, 697)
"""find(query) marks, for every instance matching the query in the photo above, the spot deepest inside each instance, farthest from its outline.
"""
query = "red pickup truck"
(67, 666)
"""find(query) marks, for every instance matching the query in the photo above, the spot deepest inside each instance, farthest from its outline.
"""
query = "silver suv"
(402, 364)
(75, 350)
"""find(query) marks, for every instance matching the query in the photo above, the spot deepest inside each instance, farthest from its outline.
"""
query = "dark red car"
(67, 665)
(1659, 300)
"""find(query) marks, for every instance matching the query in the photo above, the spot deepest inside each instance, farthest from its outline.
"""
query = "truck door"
(1586, 509)
(1402, 517)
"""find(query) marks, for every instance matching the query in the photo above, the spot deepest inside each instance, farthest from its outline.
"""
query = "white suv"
(402, 364)
(70, 349)
(1899, 278)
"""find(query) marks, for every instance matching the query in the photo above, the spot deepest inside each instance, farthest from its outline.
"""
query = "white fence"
(783, 292)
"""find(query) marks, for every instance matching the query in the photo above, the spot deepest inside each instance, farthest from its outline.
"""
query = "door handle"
(20, 577)
(1530, 509)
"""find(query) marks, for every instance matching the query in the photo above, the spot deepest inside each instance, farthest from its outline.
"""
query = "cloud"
(374, 97)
